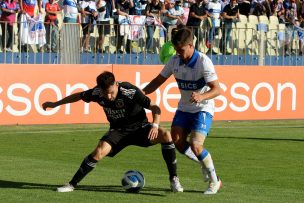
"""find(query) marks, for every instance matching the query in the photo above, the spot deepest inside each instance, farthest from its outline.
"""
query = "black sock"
(87, 165)
(168, 151)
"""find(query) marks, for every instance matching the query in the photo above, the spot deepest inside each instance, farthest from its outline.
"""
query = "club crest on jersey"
(119, 103)
(175, 70)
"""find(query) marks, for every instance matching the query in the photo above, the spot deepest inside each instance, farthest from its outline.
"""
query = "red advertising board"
(249, 92)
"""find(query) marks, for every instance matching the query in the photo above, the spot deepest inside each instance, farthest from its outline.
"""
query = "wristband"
(155, 125)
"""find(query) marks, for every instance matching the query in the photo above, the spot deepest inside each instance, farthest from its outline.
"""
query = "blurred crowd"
(206, 18)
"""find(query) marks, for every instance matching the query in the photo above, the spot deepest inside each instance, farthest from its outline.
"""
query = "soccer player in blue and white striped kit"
(198, 84)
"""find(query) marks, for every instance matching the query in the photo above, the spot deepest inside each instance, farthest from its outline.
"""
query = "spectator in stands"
(123, 8)
(197, 14)
(291, 19)
(213, 13)
(244, 7)
(139, 7)
(174, 15)
(153, 12)
(301, 21)
(258, 9)
(278, 10)
(223, 4)
(88, 15)
(70, 11)
(103, 24)
(230, 15)
(301, 10)
(9, 9)
(51, 25)
(28, 7)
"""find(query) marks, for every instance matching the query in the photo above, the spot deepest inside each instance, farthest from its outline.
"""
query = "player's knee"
(97, 154)
(176, 138)
(179, 145)
(196, 148)
(100, 152)
(166, 136)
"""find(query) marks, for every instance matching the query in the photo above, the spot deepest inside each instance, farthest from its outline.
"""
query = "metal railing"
(248, 46)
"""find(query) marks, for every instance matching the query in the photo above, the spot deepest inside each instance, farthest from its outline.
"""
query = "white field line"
(22, 131)
(49, 131)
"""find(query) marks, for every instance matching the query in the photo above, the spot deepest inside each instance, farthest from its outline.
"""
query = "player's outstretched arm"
(154, 84)
(69, 99)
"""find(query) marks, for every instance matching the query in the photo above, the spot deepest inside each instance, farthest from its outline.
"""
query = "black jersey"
(127, 110)
(199, 10)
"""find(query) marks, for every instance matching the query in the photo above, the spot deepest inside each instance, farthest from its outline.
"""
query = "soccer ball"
(133, 181)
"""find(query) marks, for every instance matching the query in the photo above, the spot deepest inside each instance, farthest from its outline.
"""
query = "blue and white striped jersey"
(192, 77)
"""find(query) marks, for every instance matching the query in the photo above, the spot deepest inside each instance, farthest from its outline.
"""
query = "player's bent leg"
(103, 149)
(179, 136)
(87, 165)
(164, 136)
(207, 165)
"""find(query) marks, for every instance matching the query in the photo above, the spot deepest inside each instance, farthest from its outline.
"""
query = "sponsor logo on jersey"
(115, 113)
(190, 85)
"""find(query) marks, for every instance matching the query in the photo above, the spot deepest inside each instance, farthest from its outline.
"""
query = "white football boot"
(66, 188)
(213, 187)
(175, 185)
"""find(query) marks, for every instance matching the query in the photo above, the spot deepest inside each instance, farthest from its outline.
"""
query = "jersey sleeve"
(91, 95)
(139, 96)
(209, 70)
(167, 70)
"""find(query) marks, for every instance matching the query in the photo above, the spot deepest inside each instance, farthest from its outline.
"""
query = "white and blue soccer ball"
(133, 181)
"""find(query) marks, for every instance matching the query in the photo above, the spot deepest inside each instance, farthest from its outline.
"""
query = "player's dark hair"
(174, 30)
(183, 36)
(105, 80)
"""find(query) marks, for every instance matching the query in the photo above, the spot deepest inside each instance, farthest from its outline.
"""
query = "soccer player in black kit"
(124, 105)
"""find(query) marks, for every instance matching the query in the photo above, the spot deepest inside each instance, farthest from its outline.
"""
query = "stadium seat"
(280, 38)
(253, 19)
(243, 18)
(251, 38)
(263, 19)
(272, 42)
(273, 20)
(238, 38)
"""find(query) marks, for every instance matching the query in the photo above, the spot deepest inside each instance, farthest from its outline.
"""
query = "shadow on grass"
(150, 191)
(258, 138)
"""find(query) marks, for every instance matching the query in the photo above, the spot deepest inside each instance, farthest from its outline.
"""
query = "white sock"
(208, 163)
(189, 153)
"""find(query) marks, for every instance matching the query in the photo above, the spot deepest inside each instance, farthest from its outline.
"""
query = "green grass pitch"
(258, 161)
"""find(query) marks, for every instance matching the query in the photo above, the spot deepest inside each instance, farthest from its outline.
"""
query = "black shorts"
(119, 139)
(103, 27)
(87, 28)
